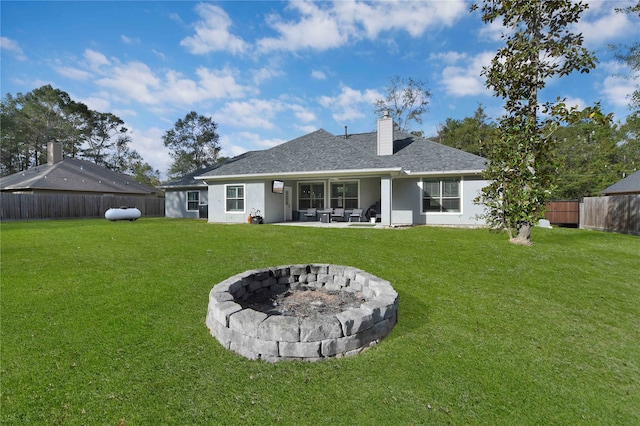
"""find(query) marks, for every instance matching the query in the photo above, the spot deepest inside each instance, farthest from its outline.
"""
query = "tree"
(193, 144)
(628, 146)
(538, 46)
(28, 122)
(32, 120)
(106, 137)
(586, 154)
(469, 134)
(406, 100)
(632, 58)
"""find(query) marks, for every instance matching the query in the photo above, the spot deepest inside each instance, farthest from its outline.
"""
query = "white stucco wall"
(254, 200)
(176, 203)
(468, 216)
(407, 204)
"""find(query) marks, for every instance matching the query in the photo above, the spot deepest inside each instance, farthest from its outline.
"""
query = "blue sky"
(268, 72)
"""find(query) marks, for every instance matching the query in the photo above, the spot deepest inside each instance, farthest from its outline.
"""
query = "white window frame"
(311, 182)
(343, 182)
(460, 180)
(197, 200)
(244, 198)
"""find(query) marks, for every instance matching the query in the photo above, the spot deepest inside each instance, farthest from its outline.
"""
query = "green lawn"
(103, 323)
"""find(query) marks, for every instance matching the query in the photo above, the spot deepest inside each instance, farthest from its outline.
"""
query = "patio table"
(325, 215)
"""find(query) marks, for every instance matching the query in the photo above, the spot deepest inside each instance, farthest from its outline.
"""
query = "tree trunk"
(524, 235)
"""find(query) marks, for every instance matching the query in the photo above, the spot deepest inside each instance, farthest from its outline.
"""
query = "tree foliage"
(631, 56)
(29, 121)
(538, 46)
(587, 158)
(406, 100)
(469, 134)
(628, 146)
(193, 144)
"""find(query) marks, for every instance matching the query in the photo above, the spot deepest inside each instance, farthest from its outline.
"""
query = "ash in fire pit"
(305, 302)
(304, 312)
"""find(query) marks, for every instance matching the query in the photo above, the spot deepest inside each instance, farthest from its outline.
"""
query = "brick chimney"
(54, 153)
(385, 134)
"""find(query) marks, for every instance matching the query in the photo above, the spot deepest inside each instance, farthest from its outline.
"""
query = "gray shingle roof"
(75, 175)
(190, 181)
(321, 152)
(628, 185)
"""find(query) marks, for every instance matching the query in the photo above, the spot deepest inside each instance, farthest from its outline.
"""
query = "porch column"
(385, 200)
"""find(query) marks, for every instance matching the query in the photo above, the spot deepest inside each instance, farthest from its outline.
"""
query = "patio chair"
(337, 214)
(311, 213)
(356, 213)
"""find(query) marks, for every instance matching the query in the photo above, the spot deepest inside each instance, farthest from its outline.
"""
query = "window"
(441, 195)
(193, 199)
(344, 195)
(310, 195)
(234, 198)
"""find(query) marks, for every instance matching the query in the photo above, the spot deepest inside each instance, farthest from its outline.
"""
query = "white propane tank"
(122, 213)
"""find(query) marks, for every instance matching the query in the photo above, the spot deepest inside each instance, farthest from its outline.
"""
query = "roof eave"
(321, 173)
(445, 172)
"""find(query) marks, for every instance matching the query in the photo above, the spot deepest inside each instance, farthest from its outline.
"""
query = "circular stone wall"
(259, 335)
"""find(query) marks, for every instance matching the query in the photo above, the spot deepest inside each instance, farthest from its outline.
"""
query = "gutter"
(444, 172)
(394, 171)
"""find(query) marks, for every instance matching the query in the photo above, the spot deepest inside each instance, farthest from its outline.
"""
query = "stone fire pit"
(303, 312)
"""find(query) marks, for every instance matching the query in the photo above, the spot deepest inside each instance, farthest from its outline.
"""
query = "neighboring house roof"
(189, 180)
(628, 185)
(75, 175)
(320, 152)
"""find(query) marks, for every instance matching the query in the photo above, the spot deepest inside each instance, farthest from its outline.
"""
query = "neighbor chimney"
(54, 153)
(385, 134)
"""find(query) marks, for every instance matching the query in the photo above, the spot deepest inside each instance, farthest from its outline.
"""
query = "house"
(627, 186)
(72, 176)
(187, 197)
(398, 178)
(72, 188)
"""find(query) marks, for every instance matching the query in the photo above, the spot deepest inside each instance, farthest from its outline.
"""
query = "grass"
(103, 323)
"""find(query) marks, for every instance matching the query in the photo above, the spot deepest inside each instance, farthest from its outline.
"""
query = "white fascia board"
(304, 175)
(445, 172)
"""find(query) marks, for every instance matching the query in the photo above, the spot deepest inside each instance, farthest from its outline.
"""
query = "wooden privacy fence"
(618, 213)
(565, 213)
(61, 206)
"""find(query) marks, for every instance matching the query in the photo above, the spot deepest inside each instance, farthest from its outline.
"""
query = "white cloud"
(133, 81)
(212, 32)
(466, 80)
(575, 102)
(414, 17)
(267, 73)
(318, 75)
(256, 113)
(13, 47)
(73, 73)
(493, 31)
(238, 143)
(598, 29)
(617, 90)
(317, 29)
(159, 54)
(349, 104)
(307, 129)
(221, 84)
(448, 57)
(303, 114)
(129, 40)
(98, 103)
(324, 26)
(96, 60)
(150, 146)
